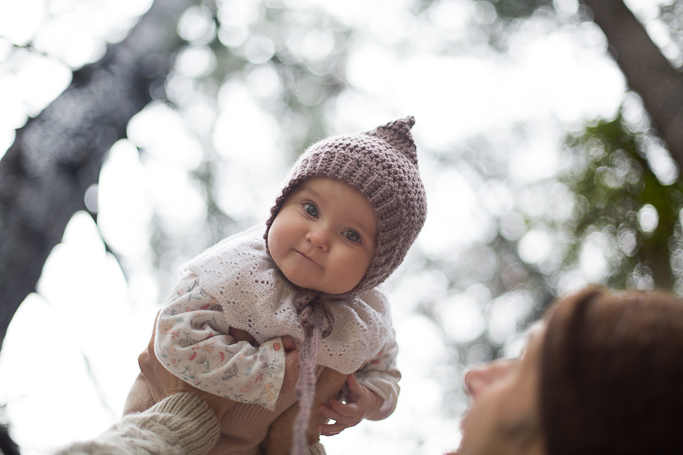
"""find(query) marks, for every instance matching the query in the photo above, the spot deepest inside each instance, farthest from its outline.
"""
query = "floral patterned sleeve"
(193, 343)
(381, 376)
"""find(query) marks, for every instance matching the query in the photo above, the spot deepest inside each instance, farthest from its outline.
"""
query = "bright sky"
(69, 332)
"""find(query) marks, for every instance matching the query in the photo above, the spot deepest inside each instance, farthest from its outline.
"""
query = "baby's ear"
(397, 134)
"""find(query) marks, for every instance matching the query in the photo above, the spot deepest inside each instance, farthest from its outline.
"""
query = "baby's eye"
(311, 209)
(352, 235)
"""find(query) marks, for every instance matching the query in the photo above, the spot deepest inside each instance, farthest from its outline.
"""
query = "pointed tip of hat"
(410, 121)
(397, 134)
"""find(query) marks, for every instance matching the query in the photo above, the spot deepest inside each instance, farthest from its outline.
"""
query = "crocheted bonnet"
(382, 165)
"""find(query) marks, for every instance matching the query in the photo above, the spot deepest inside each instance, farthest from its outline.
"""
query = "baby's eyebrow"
(308, 190)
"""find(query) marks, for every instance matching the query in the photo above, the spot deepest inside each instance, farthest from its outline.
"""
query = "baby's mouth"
(307, 257)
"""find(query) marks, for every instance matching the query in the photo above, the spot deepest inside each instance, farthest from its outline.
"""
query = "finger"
(292, 362)
(331, 429)
(331, 414)
(288, 343)
(241, 335)
(356, 390)
(354, 385)
(347, 410)
(292, 358)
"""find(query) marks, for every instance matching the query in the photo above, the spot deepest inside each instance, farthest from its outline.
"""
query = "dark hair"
(612, 374)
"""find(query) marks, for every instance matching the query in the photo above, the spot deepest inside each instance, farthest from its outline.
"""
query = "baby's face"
(324, 236)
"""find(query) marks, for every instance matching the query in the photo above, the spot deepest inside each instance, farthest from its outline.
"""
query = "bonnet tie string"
(313, 313)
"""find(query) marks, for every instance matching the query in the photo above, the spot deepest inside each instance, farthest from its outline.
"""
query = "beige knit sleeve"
(181, 424)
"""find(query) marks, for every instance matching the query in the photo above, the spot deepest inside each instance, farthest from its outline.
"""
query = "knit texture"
(240, 275)
(243, 427)
(189, 409)
(182, 424)
(382, 165)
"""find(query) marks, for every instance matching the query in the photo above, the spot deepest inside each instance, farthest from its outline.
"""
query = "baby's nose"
(319, 237)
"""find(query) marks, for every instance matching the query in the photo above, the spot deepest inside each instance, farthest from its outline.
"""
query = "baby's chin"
(328, 290)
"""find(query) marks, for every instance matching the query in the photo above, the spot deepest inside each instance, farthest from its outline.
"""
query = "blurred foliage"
(515, 9)
(614, 183)
(307, 81)
(258, 43)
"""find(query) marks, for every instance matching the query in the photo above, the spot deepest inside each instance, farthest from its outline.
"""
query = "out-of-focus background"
(135, 133)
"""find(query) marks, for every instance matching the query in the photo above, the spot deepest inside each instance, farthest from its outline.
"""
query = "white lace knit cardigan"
(239, 273)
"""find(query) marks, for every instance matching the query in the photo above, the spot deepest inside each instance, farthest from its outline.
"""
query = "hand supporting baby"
(291, 365)
(362, 404)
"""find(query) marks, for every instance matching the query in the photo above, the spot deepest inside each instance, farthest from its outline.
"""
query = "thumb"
(288, 343)
(355, 389)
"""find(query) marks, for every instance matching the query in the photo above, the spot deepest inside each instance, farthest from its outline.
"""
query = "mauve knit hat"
(382, 165)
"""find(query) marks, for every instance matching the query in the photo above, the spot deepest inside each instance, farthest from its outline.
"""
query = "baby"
(347, 215)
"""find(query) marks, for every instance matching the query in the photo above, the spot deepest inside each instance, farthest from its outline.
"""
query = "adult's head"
(602, 375)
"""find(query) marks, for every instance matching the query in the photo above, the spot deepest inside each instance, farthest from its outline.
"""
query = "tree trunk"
(647, 71)
(58, 155)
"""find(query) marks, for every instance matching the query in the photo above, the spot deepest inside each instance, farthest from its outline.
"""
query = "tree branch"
(647, 71)
(58, 155)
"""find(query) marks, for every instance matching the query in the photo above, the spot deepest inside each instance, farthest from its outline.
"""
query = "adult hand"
(241, 335)
(362, 403)
(291, 365)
